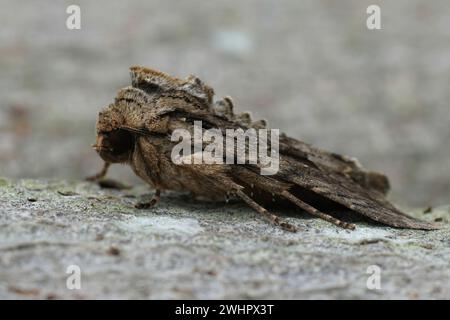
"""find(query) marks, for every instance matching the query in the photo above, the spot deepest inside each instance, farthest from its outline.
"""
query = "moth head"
(113, 144)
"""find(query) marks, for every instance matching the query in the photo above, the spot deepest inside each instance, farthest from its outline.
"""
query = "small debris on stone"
(113, 251)
(67, 193)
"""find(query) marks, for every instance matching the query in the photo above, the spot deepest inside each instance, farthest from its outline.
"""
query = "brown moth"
(136, 130)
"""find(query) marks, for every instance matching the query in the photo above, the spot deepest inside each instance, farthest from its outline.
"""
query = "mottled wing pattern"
(331, 176)
(350, 194)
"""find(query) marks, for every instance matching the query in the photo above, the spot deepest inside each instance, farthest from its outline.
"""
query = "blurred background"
(312, 68)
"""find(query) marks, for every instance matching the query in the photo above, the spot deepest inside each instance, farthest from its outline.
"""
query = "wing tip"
(412, 223)
(429, 226)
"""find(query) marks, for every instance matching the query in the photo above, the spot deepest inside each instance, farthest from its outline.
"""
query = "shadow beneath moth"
(136, 130)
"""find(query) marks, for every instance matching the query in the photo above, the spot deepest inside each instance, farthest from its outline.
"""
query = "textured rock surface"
(188, 249)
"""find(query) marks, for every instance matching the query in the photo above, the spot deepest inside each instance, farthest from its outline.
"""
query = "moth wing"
(350, 194)
(336, 163)
(331, 169)
(224, 117)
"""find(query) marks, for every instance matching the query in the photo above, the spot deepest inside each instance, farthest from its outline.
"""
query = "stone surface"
(188, 249)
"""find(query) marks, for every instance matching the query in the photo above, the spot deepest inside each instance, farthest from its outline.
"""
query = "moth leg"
(315, 212)
(269, 216)
(148, 204)
(101, 174)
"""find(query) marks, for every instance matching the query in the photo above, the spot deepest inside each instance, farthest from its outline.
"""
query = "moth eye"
(120, 141)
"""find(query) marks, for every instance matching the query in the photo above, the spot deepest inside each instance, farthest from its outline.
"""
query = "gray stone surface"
(189, 249)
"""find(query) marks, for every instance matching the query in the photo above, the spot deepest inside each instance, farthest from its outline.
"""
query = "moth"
(136, 130)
